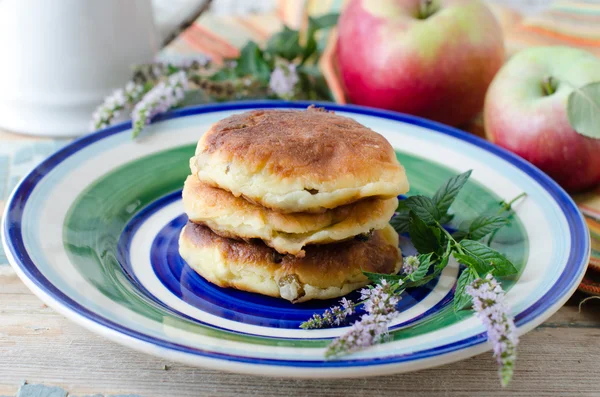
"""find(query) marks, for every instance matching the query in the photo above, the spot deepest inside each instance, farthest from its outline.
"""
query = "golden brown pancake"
(298, 161)
(236, 217)
(326, 271)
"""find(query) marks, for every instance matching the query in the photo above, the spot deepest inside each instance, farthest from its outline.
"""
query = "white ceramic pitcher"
(60, 58)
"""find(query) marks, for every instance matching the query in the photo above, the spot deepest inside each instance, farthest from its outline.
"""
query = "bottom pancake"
(325, 272)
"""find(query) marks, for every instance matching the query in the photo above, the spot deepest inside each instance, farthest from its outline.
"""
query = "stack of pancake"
(292, 204)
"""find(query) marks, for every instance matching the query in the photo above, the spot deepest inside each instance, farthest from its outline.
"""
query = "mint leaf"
(401, 206)
(252, 63)
(583, 110)
(438, 267)
(462, 231)
(424, 208)
(400, 222)
(424, 263)
(480, 267)
(462, 299)
(422, 236)
(423, 281)
(224, 74)
(501, 265)
(480, 227)
(285, 44)
(326, 21)
(377, 277)
(446, 194)
(445, 257)
(446, 218)
(484, 225)
(315, 24)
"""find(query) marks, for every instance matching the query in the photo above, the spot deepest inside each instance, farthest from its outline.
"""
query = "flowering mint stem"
(334, 316)
(380, 304)
(159, 99)
(114, 104)
(283, 80)
(492, 311)
(337, 315)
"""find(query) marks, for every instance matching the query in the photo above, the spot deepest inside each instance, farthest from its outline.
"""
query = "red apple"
(429, 58)
(526, 112)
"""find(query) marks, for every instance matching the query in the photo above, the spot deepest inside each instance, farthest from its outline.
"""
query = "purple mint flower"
(114, 104)
(370, 330)
(159, 99)
(283, 80)
(335, 315)
(379, 299)
(380, 304)
(188, 62)
(410, 264)
(492, 311)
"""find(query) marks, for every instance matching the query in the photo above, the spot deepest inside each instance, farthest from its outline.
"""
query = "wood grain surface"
(38, 345)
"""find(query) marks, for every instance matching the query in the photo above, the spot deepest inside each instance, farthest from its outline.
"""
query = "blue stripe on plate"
(245, 307)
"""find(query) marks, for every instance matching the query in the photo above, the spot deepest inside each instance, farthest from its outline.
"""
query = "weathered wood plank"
(40, 346)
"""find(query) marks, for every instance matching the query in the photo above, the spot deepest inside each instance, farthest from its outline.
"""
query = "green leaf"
(423, 281)
(312, 86)
(462, 231)
(171, 69)
(445, 257)
(310, 47)
(583, 110)
(424, 208)
(422, 236)
(314, 25)
(480, 227)
(401, 222)
(310, 70)
(401, 206)
(446, 194)
(326, 21)
(224, 74)
(424, 263)
(501, 265)
(446, 218)
(285, 44)
(377, 277)
(252, 63)
(462, 299)
(472, 262)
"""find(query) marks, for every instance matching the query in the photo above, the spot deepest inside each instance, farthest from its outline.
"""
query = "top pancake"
(298, 161)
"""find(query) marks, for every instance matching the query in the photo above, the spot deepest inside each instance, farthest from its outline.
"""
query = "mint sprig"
(445, 195)
(423, 218)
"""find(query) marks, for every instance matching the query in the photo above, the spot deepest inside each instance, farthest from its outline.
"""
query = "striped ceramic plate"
(93, 232)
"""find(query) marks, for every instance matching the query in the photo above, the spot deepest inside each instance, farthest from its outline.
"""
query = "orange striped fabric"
(572, 23)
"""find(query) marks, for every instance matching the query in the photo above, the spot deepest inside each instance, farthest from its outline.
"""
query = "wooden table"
(38, 345)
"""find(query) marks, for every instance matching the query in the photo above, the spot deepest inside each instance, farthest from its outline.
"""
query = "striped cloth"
(571, 22)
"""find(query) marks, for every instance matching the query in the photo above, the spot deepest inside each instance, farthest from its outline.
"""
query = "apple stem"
(549, 85)
(426, 9)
